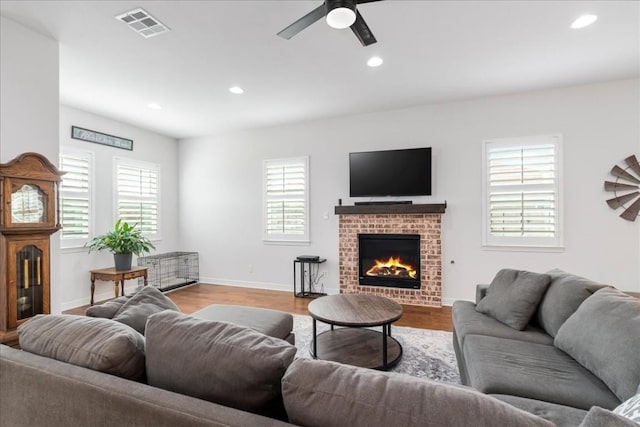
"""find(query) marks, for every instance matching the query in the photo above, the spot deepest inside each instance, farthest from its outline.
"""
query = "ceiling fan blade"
(366, 1)
(362, 31)
(303, 22)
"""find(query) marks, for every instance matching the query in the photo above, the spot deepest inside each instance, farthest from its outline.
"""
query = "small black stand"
(305, 285)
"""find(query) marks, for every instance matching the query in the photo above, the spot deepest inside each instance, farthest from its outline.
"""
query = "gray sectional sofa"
(580, 348)
(200, 371)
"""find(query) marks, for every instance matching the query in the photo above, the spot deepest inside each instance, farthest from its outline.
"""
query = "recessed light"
(375, 61)
(154, 106)
(584, 21)
(236, 89)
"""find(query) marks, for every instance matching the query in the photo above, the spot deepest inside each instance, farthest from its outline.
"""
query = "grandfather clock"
(29, 215)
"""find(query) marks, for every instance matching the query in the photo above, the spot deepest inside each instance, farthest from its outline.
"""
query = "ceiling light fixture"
(154, 106)
(584, 21)
(375, 61)
(236, 89)
(341, 13)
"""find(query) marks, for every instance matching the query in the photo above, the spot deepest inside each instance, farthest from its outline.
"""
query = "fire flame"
(392, 267)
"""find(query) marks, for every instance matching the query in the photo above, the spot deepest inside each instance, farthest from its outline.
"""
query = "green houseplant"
(123, 241)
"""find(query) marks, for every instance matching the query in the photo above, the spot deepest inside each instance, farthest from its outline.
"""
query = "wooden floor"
(195, 297)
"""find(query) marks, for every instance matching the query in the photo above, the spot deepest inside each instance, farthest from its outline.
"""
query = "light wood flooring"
(195, 297)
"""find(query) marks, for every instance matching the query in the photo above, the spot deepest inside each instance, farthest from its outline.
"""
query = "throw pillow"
(513, 297)
(329, 394)
(215, 361)
(106, 309)
(94, 343)
(143, 304)
(630, 408)
(565, 294)
(603, 335)
(598, 417)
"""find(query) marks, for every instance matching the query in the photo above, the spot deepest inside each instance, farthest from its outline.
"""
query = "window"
(521, 192)
(286, 200)
(137, 195)
(75, 198)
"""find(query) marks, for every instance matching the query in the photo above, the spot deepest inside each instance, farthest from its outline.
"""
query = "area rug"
(425, 353)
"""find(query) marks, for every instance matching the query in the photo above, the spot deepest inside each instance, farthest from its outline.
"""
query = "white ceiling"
(434, 51)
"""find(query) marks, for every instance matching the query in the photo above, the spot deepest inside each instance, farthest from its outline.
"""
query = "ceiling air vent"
(140, 21)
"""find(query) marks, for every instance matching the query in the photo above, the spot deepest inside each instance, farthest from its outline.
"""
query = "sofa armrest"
(481, 292)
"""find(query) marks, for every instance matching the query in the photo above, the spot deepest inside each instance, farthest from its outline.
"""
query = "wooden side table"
(117, 276)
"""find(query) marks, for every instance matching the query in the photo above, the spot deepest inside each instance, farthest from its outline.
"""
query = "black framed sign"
(101, 138)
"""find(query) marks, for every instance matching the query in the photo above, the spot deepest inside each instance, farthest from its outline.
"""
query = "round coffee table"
(353, 345)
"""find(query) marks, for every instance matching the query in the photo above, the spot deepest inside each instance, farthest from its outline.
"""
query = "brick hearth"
(428, 226)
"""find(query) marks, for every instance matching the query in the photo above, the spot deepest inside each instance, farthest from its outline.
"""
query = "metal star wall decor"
(625, 188)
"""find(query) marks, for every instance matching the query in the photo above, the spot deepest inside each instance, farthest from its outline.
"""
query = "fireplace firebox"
(391, 260)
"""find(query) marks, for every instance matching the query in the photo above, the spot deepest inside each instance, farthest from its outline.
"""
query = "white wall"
(148, 147)
(29, 108)
(220, 186)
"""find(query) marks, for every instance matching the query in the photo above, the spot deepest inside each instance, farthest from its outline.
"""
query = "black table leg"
(384, 346)
(315, 341)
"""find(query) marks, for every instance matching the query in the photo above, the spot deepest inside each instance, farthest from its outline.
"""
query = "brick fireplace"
(423, 220)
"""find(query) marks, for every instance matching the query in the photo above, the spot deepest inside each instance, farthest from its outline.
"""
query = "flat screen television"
(390, 173)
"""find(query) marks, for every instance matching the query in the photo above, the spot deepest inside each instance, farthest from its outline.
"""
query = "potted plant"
(123, 241)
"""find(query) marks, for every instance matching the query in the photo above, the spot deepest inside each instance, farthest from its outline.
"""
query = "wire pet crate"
(171, 270)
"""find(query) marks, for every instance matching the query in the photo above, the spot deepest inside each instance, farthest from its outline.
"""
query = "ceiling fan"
(339, 14)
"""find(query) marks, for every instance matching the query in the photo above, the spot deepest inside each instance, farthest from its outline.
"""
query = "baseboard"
(87, 300)
(257, 285)
(448, 301)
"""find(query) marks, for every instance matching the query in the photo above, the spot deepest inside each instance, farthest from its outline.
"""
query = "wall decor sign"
(101, 138)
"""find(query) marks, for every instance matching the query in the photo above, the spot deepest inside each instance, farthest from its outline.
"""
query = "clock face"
(27, 205)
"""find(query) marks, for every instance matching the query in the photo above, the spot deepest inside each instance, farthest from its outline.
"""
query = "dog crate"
(171, 270)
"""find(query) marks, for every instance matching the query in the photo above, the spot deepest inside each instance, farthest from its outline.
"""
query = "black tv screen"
(390, 173)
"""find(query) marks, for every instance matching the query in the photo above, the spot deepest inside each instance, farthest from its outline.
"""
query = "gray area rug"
(426, 353)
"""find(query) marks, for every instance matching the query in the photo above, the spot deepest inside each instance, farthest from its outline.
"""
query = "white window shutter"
(138, 195)
(75, 198)
(522, 192)
(286, 199)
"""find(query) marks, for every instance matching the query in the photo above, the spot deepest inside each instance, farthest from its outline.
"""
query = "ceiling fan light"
(341, 13)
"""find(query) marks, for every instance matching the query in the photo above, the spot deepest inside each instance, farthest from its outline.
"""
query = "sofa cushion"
(604, 336)
(215, 361)
(274, 323)
(598, 417)
(535, 371)
(143, 304)
(329, 394)
(94, 343)
(107, 309)
(560, 415)
(563, 297)
(468, 321)
(513, 297)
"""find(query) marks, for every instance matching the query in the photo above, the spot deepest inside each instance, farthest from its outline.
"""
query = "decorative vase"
(123, 261)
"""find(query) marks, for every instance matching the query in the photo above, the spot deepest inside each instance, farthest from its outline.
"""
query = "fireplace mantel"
(398, 208)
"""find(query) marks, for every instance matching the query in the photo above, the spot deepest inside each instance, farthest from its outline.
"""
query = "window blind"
(286, 198)
(522, 199)
(137, 203)
(75, 196)
(521, 192)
